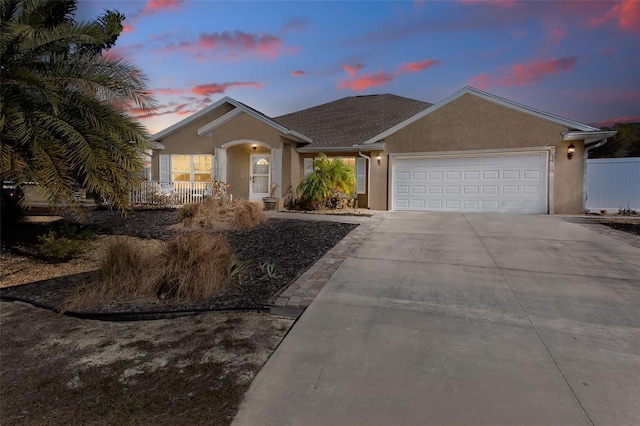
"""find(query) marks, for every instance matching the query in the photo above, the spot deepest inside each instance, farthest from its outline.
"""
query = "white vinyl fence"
(613, 184)
(170, 193)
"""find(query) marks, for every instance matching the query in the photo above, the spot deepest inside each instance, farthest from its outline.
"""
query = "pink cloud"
(128, 51)
(556, 35)
(154, 6)
(232, 42)
(168, 91)
(127, 28)
(352, 69)
(525, 74)
(214, 88)
(365, 81)
(626, 13)
(380, 78)
(407, 67)
(298, 73)
(618, 120)
(481, 81)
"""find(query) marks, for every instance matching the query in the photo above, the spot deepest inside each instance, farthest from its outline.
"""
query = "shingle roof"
(352, 120)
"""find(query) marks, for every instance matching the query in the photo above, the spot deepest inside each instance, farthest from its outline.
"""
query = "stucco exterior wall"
(378, 184)
(245, 127)
(186, 139)
(472, 123)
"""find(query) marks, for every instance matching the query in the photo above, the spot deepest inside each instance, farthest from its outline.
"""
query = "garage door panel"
(508, 183)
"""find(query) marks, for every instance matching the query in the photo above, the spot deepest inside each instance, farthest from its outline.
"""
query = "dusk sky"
(576, 59)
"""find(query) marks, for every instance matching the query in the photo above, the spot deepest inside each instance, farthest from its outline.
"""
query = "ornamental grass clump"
(191, 267)
(127, 270)
(246, 214)
(219, 214)
(196, 266)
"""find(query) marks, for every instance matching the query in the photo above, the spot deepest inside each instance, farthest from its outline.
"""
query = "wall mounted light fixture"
(254, 146)
(379, 158)
(571, 150)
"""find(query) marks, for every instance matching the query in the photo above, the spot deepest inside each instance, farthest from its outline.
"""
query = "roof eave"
(354, 148)
(588, 137)
(171, 129)
(307, 149)
(239, 108)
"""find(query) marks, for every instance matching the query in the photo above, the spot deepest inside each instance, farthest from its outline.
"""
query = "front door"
(259, 177)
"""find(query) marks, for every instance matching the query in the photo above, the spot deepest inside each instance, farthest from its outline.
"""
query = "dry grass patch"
(217, 214)
(196, 266)
(193, 266)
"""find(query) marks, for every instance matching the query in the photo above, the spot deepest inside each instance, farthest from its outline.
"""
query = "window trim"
(166, 172)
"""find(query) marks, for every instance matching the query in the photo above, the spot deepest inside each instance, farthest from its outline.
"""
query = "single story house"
(472, 151)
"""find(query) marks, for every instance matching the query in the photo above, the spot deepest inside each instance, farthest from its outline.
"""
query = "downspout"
(368, 183)
(584, 172)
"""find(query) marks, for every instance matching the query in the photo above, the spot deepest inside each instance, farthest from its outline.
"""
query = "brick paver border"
(301, 293)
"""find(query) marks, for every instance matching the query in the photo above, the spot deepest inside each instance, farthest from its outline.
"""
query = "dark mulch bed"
(632, 228)
(292, 246)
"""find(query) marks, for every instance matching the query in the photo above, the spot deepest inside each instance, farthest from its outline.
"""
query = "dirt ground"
(61, 370)
(58, 370)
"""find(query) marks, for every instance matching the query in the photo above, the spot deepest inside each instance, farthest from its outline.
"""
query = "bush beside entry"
(330, 179)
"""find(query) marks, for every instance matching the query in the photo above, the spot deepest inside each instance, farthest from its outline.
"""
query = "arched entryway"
(251, 167)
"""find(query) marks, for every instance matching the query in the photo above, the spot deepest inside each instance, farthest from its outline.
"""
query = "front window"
(191, 168)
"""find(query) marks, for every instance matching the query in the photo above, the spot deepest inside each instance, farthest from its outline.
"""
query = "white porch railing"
(170, 193)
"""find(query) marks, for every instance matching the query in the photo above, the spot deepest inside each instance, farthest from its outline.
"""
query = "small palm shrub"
(328, 179)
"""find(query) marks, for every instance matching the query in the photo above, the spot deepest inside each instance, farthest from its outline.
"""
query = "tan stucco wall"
(245, 127)
(472, 123)
(186, 139)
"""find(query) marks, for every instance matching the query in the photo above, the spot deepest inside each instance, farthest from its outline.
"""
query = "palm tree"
(329, 178)
(62, 103)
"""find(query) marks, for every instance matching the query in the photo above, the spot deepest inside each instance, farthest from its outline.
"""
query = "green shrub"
(64, 244)
(329, 178)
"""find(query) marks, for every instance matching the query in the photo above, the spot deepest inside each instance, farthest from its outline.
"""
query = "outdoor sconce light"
(379, 158)
(571, 150)
(254, 146)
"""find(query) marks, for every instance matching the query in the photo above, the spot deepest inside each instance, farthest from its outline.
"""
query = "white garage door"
(493, 183)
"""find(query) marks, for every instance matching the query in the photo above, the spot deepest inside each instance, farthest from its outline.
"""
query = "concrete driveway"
(464, 319)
